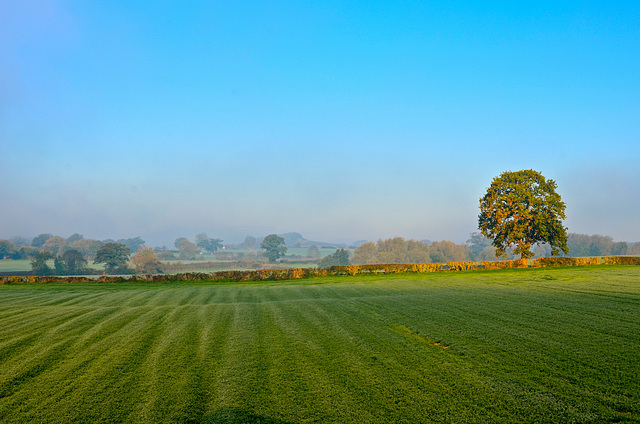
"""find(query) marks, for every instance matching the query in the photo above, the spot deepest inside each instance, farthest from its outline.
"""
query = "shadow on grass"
(237, 416)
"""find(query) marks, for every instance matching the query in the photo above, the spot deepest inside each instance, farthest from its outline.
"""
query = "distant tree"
(74, 237)
(40, 240)
(215, 244)
(54, 244)
(339, 257)
(392, 250)
(39, 263)
(187, 249)
(114, 256)
(87, 247)
(365, 254)
(487, 254)
(179, 240)
(19, 241)
(202, 240)
(522, 208)
(417, 252)
(448, 251)
(132, 243)
(249, 243)
(313, 252)
(25, 252)
(600, 245)
(399, 250)
(579, 244)
(58, 266)
(211, 245)
(7, 249)
(273, 247)
(164, 254)
(73, 262)
(619, 248)
(477, 243)
(633, 249)
(146, 262)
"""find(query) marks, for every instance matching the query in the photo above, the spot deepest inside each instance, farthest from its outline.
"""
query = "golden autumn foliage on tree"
(397, 250)
(365, 254)
(145, 261)
(520, 209)
(445, 251)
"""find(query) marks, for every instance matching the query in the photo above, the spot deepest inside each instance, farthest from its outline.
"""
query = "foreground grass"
(541, 345)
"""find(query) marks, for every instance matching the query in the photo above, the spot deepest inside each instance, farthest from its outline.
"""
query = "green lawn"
(532, 345)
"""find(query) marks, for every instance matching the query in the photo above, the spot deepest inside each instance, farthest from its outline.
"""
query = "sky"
(341, 120)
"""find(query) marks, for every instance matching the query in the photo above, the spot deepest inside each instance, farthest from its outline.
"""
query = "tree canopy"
(520, 209)
(187, 249)
(145, 261)
(39, 264)
(398, 250)
(249, 242)
(313, 251)
(74, 237)
(54, 244)
(210, 245)
(274, 247)
(132, 243)
(178, 241)
(71, 262)
(339, 257)
(40, 240)
(7, 249)
(113, 255)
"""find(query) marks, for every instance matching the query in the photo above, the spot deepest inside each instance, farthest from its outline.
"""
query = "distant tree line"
(54, 255)
(479, 248)
(71, 256)
(398, 250)
(20, 248)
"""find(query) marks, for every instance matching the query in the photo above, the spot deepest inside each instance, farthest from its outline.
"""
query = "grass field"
(18, 265)
(530, 345)
(22, 265)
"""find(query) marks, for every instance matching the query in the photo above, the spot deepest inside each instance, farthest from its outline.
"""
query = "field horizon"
(516, 345)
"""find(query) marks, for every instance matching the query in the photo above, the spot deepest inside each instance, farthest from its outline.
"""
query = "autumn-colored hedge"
(543, 262)
(622, 260)
(297, 273)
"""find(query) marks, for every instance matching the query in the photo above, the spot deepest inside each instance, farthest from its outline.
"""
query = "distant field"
(18, 265)
(22, 265)
(531, 345)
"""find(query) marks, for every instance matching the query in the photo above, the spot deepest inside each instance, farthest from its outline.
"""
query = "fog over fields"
(343, 121)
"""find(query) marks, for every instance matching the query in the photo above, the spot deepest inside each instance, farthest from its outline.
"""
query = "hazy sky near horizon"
(341, 120)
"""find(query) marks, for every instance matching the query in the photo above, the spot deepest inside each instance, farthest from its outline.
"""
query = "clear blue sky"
(342, 120)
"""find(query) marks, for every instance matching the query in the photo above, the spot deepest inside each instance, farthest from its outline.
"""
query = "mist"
(115, 123)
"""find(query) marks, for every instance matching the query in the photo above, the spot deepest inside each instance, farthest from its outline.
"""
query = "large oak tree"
(520, 209)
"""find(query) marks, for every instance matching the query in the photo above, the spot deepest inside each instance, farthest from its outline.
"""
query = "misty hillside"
(294, 239)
